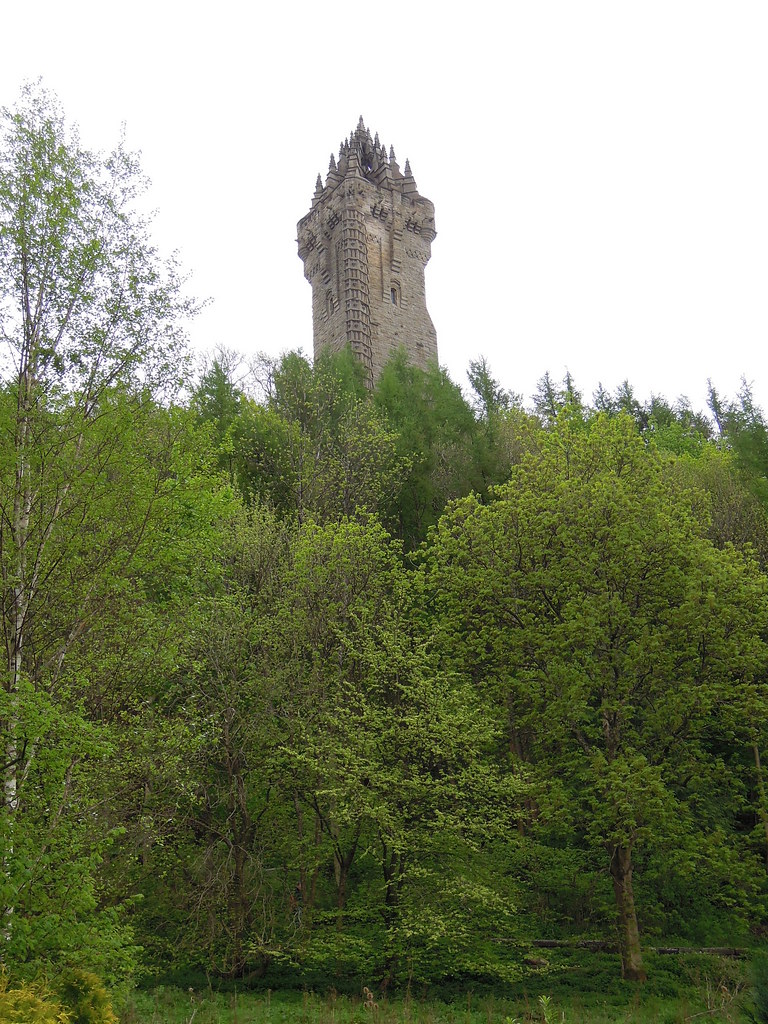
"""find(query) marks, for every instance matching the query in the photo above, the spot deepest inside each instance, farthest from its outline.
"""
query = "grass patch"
(569, 991)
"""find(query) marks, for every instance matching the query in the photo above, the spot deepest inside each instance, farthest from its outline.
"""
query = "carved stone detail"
(367, 282)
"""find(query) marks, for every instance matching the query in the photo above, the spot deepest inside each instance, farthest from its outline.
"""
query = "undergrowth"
(569, 991)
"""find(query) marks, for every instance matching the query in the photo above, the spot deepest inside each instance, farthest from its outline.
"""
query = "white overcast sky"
(599, 169)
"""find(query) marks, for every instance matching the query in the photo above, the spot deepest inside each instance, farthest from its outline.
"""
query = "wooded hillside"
(380, 684)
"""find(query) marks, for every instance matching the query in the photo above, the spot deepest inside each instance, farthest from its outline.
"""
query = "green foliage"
(742, 426)
(244, 728)
(328, 751)
(435, 430)
(491, 400)
(86, 300)
(218, 401)
(759, 1012)
(553, 402)
(548, 1012)
(85, 997)
(575, 991)
(317, 447)
(56, 848)
(382, 744)
(92, 480)
(573, 598)
(76, 997)
(735, 515)
(30, 1003)
(674, 427)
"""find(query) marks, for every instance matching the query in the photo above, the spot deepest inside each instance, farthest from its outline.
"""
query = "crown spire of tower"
(333, 177)
(363, 155)
(396, 172)
(409, 182)
(318, 192)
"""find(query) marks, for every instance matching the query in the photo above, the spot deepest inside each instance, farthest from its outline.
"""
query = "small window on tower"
(329, 303)
(394, 294)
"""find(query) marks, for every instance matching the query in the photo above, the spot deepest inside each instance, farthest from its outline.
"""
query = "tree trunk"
(22, 504)
(342, 862)
(629, 934)
(393, 866)
(518, 759)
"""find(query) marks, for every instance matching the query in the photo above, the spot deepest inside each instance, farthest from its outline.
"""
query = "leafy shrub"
(30, 1003)
(86, 997)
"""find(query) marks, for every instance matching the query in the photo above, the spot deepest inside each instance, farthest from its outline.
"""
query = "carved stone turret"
(365, 243)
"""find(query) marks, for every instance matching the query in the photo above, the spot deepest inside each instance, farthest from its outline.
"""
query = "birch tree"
(91, 322)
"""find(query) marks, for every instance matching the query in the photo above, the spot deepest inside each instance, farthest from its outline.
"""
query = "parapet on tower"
(365, 243)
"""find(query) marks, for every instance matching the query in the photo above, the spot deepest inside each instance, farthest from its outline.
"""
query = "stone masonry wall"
(365, 244)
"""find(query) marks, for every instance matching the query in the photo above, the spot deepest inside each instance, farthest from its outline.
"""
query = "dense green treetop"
(612, 632)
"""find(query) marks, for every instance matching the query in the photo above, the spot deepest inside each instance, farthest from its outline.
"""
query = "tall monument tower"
(365, 243)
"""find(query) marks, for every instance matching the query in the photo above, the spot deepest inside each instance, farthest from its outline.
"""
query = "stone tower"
(365, 243)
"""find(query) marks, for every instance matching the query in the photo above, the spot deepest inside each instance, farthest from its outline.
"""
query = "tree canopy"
(305, 678)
